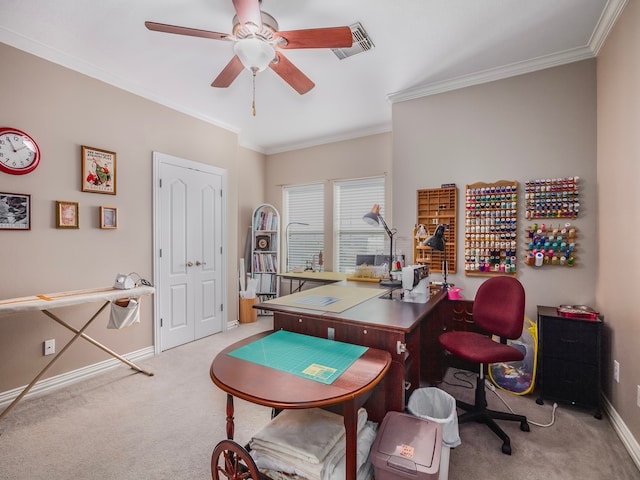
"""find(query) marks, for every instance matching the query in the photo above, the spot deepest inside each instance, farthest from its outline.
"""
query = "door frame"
(163, 158)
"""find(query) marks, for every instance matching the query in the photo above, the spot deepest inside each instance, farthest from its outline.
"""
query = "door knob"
(189, 264)
(198, 263)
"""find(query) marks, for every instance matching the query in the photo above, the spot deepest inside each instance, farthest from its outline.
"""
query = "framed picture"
(15, 211)
(67, 215)
(108, 217)
(98, 171)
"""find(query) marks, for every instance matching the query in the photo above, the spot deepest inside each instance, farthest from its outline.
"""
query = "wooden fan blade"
(191, 32)
(248, 11)
(228, 73)
(291, 74)
(336, 37)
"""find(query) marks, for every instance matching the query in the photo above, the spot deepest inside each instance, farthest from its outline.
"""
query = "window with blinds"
(353, 236)
(303, 225)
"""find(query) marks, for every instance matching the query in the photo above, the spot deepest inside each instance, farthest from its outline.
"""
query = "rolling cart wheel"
(229, 460)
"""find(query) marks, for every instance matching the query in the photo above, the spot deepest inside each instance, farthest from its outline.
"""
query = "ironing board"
(49, 301)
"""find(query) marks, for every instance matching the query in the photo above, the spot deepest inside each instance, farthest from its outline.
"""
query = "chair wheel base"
(524, 426)
(506, 449)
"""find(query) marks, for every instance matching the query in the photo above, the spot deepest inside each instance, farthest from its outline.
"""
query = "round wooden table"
(280, 390)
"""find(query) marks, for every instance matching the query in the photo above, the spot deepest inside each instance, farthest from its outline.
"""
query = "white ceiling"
(421, 47)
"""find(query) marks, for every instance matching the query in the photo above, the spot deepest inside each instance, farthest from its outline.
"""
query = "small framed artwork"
(15, 211)
(98, 171)
(67, 215)
(108, 217)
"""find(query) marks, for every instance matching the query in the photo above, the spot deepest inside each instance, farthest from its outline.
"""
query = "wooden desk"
(49, 301)
(390, 325)
(272, 388)
(311, 276)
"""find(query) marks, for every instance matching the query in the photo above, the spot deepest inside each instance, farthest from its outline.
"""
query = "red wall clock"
(19, 153)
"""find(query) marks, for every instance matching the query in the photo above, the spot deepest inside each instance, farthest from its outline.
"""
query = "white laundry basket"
(436, 405)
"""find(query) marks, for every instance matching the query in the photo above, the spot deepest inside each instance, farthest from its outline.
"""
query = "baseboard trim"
(627, 438)
(74, 376)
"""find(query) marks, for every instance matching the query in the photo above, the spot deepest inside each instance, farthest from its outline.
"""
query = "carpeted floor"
(122, 426)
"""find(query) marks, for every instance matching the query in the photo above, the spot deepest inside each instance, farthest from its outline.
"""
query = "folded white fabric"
(337, 470)
(332, 467)
(280, 468)
(308, 434)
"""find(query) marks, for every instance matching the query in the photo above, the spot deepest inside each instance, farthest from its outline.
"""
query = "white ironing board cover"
(65, 299)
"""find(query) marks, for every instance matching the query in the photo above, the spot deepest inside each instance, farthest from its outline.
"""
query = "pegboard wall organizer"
(491, 227)
(552, 198)
(551, 245)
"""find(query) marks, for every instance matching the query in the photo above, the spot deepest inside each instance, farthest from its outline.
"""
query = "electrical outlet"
(616, 371)
(50, 347)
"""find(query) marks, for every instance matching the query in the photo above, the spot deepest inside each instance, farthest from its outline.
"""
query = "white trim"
(68, 378)
(232, 324)
(627, 438)
(608, 18)
(610, 14)
(493, 74)
(322, 140)
(41, 50)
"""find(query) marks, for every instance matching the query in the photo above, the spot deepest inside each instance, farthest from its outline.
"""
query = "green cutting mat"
(314, 358)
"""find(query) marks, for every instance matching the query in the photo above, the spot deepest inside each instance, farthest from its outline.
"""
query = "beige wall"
(618, 74)
(63, 110)
(358, 158)
(251, 166)
(540, 125)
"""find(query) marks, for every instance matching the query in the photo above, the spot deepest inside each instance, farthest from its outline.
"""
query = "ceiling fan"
(258, 44)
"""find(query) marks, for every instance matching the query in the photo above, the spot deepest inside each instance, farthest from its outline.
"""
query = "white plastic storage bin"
(407, 447)
(438, 406)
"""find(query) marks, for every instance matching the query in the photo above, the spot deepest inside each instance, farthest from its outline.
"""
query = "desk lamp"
(286, 237)
(374, 218)
(438, 242)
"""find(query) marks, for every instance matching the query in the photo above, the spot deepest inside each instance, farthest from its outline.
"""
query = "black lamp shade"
(437, 240)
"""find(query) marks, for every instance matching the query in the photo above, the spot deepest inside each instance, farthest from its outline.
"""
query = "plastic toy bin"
(407, 447)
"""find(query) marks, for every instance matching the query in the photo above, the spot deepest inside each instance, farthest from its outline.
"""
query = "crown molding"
(45, 52)
(314, 142)
(492, 74)
(609, 16)
(607, 20)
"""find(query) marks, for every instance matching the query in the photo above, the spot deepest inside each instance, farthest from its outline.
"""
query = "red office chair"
(498, 309)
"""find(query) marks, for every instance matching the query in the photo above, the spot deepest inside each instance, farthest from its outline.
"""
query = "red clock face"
(19, 153)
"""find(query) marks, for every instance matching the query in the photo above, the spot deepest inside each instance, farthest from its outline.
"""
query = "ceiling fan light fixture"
(255, 54)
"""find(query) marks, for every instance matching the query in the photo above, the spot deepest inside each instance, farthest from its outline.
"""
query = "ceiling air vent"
(361, 43)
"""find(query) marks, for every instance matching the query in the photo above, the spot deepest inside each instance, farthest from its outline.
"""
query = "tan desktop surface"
(324, 276)
(329, 298)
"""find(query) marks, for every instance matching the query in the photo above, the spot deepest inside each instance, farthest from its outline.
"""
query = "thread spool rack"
(551, 245)
(491, 228)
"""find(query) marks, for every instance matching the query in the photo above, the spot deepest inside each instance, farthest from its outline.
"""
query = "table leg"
(350, 415)
(230, 425)
(53, 360)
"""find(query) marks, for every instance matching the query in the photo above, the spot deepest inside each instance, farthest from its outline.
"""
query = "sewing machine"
(415, 284)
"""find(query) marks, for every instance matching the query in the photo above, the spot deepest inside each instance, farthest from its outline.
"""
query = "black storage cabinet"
(569, 359)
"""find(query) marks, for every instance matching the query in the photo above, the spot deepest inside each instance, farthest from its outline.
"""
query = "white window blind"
(303, 204)
(353, 236)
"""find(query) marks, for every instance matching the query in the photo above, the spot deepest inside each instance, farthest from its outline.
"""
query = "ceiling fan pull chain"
(253, 103)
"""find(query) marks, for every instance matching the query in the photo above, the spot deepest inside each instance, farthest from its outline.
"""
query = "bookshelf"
(265, 252)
